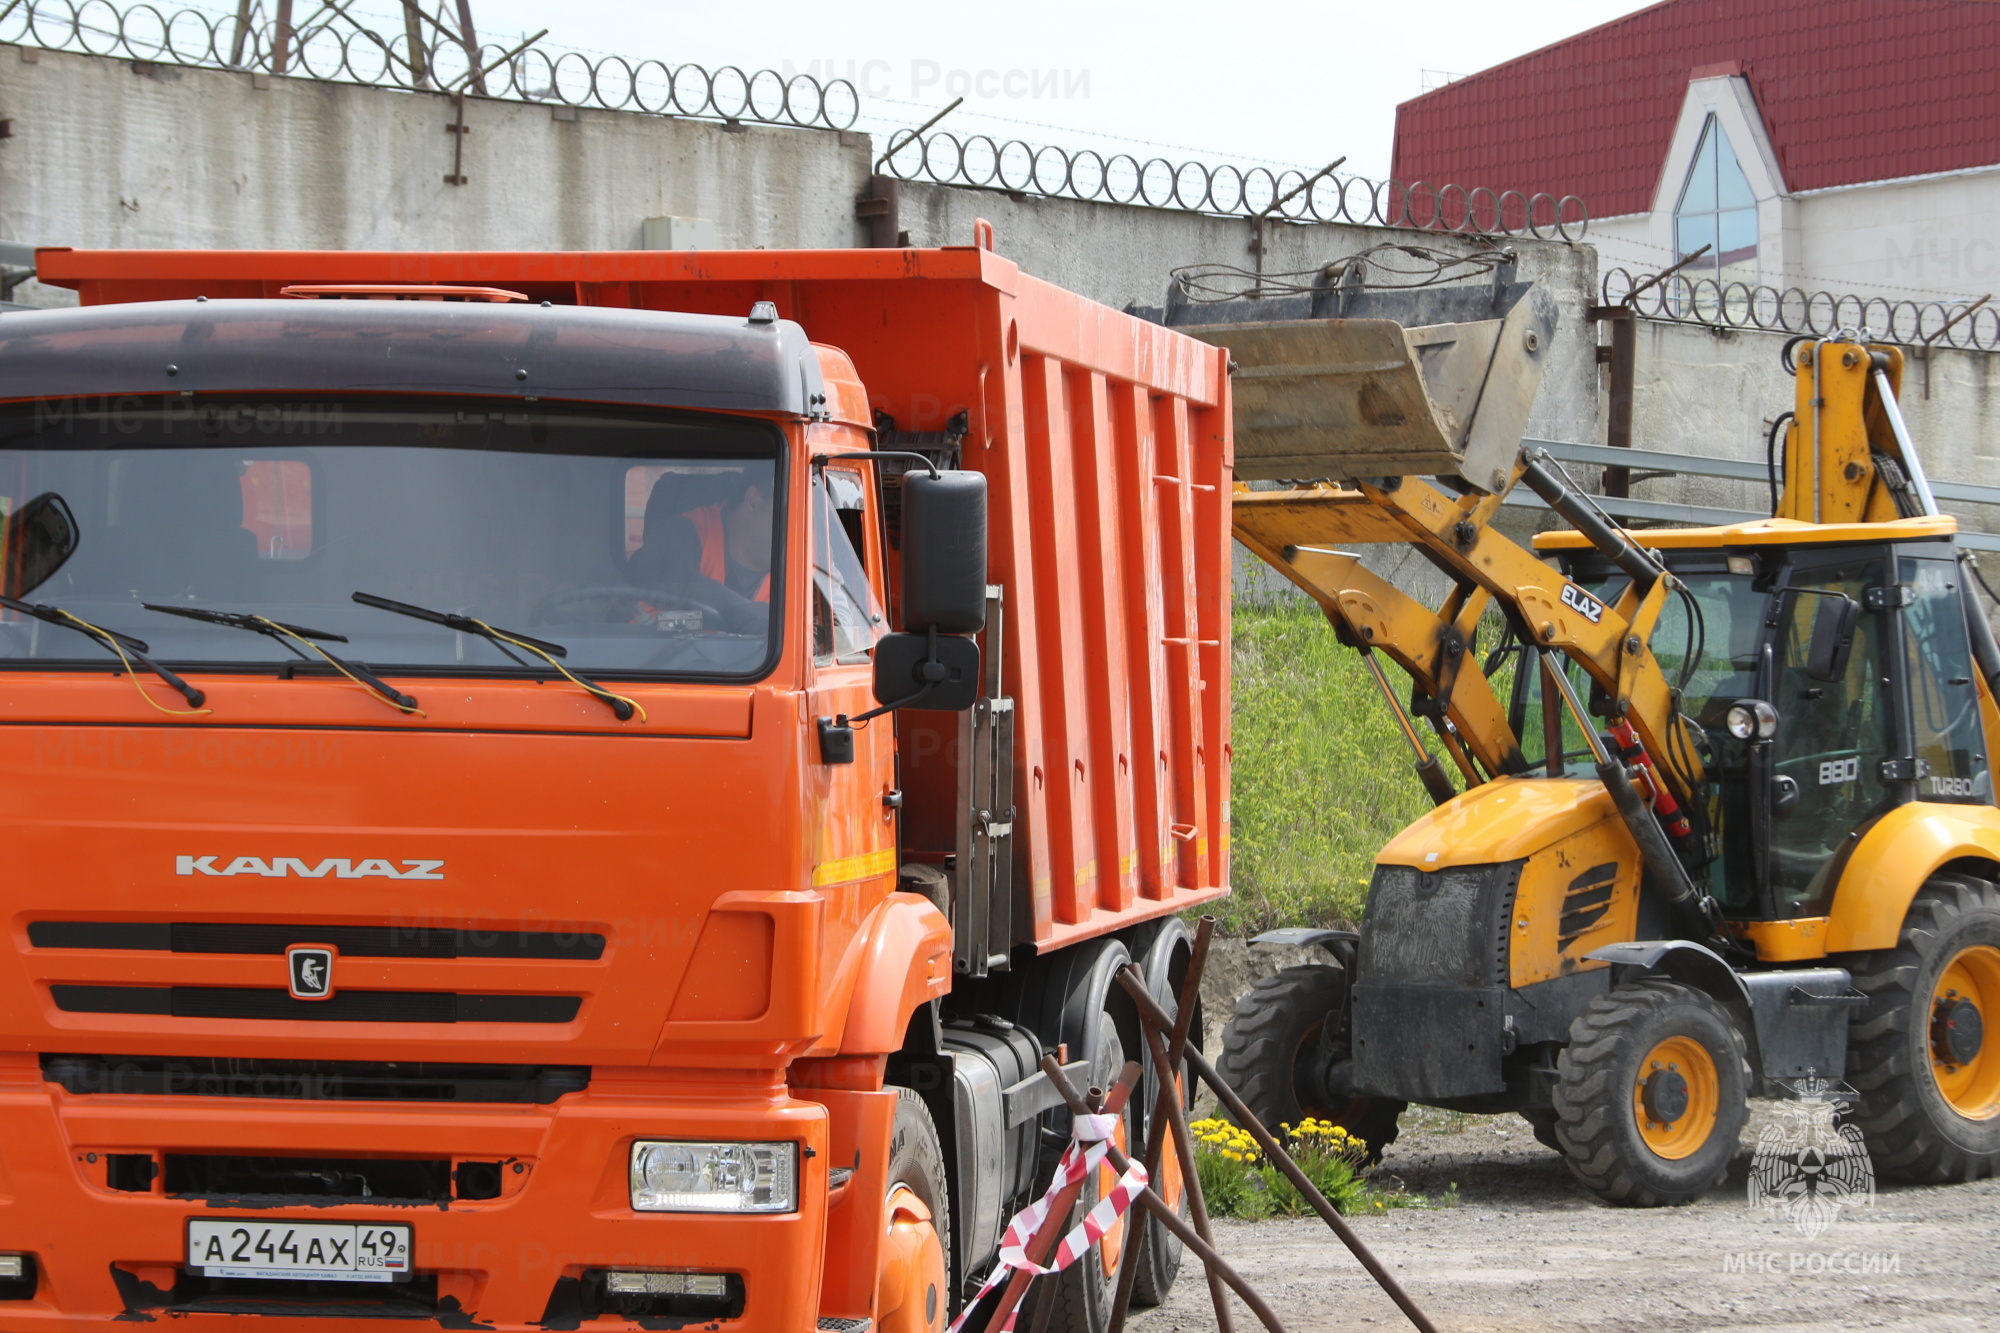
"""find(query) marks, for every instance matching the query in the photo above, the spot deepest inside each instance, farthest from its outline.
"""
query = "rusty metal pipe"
(1152, 1013)
(1057, 1222)
(1168, 1217)
(1158, 1127)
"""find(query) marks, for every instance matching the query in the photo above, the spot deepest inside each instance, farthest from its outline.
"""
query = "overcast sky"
(1280, 82)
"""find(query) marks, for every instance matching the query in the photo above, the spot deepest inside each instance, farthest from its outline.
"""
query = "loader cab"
(1859, 649)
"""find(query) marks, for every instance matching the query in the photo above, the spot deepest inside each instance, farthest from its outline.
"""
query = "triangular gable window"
(1717, 209)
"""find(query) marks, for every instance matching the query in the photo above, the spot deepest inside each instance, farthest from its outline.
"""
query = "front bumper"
(106, 1255)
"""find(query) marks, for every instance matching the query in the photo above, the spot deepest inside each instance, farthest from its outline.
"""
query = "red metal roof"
(1850, 90)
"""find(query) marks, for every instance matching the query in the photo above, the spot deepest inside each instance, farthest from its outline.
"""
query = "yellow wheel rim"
(1964, 1006)
(910, 1284)
(1675, 1097)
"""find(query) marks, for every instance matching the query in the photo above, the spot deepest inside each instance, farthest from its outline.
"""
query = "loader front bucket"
(1336, 399)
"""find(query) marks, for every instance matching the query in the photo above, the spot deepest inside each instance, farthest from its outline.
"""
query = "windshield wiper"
(128, 649)
(622, 707)
(285, 634)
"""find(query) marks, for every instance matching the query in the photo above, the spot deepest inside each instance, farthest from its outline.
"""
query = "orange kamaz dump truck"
(553, 791)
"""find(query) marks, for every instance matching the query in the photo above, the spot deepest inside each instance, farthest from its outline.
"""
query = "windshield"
(642, 542)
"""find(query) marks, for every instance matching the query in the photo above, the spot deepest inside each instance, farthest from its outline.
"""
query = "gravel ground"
(1523, 1247)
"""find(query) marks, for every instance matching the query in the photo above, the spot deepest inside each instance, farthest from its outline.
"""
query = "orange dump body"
(715, 948)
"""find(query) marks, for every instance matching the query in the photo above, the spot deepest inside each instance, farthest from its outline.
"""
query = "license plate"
(237, 1247)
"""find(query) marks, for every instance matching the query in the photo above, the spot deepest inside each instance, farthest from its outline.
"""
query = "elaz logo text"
(1576, 599)
(278, 867)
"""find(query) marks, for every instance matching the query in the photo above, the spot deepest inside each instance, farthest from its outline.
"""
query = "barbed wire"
(1405, 268)
(1017, 167)
(1967, 325)
(330, 47)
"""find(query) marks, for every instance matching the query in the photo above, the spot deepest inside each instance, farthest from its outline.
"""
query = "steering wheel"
(552, 609)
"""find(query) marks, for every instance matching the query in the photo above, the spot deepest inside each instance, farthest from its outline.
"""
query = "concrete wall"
(106, 153)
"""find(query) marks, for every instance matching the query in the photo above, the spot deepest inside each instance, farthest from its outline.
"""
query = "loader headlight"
(1751, 719)
(682, 1177)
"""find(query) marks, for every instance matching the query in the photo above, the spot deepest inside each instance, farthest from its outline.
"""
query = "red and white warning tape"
(1090, 1137)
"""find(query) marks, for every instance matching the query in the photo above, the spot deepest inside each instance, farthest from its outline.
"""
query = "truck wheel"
(912, 1284)
(1921, 1054)
(1651, 1094)
(1160, 1250)
(1270, 1048)
(1082, 1292)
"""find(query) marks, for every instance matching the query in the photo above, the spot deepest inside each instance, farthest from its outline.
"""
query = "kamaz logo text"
(1581, 602)
(339, 867)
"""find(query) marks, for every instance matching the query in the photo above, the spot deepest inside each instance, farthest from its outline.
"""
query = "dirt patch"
(1524, 1248)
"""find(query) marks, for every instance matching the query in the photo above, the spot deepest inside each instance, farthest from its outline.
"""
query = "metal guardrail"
(1018, 167)
(332, 46)
(1968, 325)
(1695, 465)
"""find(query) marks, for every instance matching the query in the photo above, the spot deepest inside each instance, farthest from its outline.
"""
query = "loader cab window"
(1946, 733)
(847, 616)
(1832, 734)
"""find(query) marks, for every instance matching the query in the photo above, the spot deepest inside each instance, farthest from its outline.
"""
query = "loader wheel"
(1270, 1052)
(912, 1283)
(1651, 1094)
(1925, 1053)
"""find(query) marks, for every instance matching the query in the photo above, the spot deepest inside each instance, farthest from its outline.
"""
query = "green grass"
(1322, 777)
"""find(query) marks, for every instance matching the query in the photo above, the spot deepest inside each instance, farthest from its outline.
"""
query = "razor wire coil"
(1679, 299)
(1015, 166)
(334, 51)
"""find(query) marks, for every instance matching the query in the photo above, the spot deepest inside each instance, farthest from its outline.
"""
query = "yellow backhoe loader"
(1714, 814)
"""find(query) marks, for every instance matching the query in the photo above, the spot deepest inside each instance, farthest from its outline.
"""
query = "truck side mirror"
(944, 553)
(928, 670)
(1832, 637)
(41, 537)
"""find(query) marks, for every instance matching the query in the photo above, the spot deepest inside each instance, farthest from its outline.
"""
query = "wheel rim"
(1169, 1184)
(1964, 1005)
(1676, 1094)
(1112, 1246)
(910, 1283)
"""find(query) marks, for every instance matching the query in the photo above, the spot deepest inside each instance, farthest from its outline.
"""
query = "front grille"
(1443, 927)
(312, 1080)
(352, 941)
(311, 1180)
(354, 1006)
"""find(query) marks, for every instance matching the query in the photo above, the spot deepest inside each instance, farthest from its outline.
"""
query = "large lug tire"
(1651, 1094)
(913, 1284)
(1925, 1053)
(1271, 1047)
(1083, 1292)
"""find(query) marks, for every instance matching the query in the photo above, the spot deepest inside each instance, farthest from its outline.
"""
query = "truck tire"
(1925, 1053)
(913, 1286)
(1276, 1024)
(1083, 1292)
(1651, 1093)
(1160, 1250)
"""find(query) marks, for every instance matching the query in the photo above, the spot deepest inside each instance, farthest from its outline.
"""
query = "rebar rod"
(1150, 1012)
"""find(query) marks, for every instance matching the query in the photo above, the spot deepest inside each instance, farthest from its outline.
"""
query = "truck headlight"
(682, 1177)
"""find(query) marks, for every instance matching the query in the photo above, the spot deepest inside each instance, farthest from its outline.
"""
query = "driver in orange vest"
(716, 555)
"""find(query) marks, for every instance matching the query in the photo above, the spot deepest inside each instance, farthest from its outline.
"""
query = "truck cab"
(474, 854)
